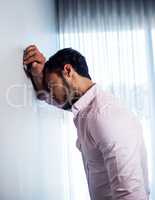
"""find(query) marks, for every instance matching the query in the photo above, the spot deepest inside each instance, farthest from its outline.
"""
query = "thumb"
(34, 64)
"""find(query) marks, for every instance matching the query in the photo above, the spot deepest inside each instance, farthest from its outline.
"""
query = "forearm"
(34, 64)
(39, 86)
(37, 82)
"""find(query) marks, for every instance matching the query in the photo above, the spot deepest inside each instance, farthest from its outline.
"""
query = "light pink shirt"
(112, 147)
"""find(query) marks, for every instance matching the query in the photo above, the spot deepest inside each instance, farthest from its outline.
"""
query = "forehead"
(52, 77)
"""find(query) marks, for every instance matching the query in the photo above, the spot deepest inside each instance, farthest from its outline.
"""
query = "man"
(109, 137)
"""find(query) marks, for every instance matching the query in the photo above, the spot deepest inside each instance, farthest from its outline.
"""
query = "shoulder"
(111, 119)
(102, 103)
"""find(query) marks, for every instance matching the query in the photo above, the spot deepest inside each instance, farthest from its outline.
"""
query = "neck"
(84, 84)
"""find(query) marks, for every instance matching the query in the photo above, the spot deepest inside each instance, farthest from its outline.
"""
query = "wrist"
(37, 74)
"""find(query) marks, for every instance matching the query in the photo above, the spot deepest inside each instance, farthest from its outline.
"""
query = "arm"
(117, 135)
(34, 63)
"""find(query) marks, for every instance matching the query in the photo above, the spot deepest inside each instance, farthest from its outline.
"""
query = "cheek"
(60, 92)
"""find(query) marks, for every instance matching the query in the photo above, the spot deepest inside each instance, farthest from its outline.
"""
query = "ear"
(68, 70)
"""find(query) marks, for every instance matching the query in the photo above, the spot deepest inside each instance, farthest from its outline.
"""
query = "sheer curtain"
(117, 38)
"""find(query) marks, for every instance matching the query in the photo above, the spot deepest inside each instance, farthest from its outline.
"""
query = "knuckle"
(33, 45)
(31, 59)
(34, 64)
(43, 57)
(30, 54)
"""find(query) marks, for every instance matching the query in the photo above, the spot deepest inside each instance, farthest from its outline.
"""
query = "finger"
(29, 54)
(33, 59)
(26, 54)
(30, 48)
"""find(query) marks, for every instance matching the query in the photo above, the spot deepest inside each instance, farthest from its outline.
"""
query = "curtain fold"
(96, 15)
(117, 37)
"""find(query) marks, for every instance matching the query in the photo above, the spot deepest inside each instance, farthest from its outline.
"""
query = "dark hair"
(67, 56)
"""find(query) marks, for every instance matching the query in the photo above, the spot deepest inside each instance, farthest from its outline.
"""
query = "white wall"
(30, 136)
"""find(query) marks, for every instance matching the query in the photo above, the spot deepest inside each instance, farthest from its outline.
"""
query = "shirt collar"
(84, 100)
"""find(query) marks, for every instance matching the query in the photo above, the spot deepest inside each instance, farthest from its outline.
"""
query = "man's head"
(66, 76)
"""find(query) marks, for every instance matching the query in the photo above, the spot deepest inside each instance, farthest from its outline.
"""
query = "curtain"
(117, 37)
